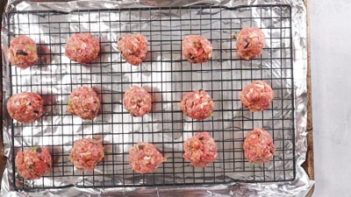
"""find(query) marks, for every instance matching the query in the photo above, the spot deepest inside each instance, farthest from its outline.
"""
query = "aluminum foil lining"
(297, 187)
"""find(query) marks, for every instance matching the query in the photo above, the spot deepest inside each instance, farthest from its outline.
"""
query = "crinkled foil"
(298, 187)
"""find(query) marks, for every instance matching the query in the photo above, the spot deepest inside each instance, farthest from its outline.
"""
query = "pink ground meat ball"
(145, 158)
(134, 48)
(84, 102)
(33, 163)
(200, 150)
(25, 107)
(82, 48)
(257, 96)
(137, 101)
(196, 49)
(87, 153)
(197, 104)
(23, 52)
(250, 42)
(258, 146)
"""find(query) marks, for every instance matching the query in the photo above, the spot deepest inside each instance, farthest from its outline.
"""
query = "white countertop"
(331, 81)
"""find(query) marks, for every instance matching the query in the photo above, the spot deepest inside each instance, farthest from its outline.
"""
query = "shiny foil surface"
(167, 76)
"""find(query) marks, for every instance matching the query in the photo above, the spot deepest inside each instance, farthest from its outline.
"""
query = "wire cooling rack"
(167, 76)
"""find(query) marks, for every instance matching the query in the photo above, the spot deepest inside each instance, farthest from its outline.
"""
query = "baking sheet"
(134, 75)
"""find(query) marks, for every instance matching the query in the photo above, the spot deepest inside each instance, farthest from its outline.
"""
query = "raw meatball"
(145, 158)
(134, 48)
(26, 107)
(87, 153)
(197, 104)
(23, 52)
(196, 49)
(84, 102)
(82, 48)
(200, 150)
(137, 101)
(250, 42)
(257, 96)
(258, 146)
(32, 163)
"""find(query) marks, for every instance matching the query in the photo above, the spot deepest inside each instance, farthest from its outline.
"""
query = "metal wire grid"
(167, 76)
